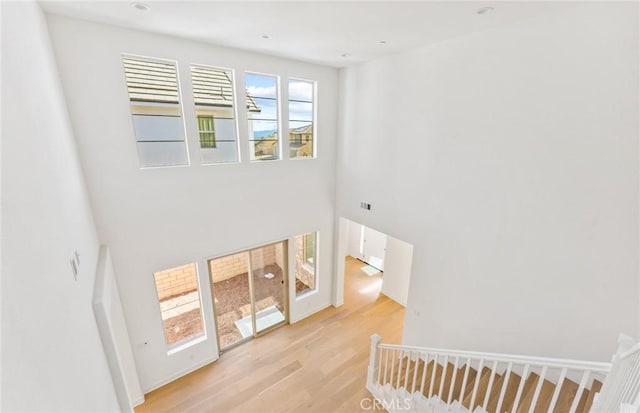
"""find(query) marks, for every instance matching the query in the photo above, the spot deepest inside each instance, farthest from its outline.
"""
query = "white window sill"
(308, 268)
(183, 346)
(302, 158)
(306, 294)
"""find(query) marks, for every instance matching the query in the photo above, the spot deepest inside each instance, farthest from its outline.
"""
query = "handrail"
(536, 361)
(433, 379)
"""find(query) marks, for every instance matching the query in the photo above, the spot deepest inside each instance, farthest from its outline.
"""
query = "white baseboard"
(137, 401)
(178, 375)
(393, 298)
(309, 313)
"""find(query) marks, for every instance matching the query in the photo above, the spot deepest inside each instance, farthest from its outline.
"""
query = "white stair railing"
(621, 390)
(406, 378)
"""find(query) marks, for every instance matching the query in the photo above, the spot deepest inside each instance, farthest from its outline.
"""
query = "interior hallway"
(316, 365)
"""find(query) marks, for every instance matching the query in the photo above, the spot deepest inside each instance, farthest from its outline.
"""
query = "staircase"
(416, 379)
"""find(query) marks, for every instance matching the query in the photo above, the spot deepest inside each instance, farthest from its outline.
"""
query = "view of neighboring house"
(213, 98)
(157, 112)
(301, 141)
(265, 147)
(143, 236)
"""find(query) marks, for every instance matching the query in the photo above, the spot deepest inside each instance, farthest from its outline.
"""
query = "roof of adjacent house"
(213, 87)
(155, 81)
(151, 81)
(302, 129)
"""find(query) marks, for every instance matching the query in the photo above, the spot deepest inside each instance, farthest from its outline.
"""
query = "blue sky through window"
(264, 90)
(300, 103)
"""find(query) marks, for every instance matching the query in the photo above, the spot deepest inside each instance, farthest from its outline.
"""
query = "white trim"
(314, 119)
(309, 313)
(536, 361)
(176, 376)
(264, 160)
(189, 343)
(279, 123)
(306, 294)
(156, 104)
(138, 401)
(218, 163)
(303, 158)
(163, 167)
(116, 343)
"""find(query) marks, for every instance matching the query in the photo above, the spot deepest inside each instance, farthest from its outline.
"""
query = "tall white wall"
(155, 219)
(509, 159)
(52, 357)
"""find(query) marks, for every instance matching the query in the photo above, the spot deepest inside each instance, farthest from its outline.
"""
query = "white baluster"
(453, 379)
(493, 375)
(424, 373)
(393, 364)
(578, 395)
(400, 361)
(516, 401)
(556, 392)
(415, 373)
(464, 379)
(475, 385)
(433, 374)
(536, 394)
(386, 366)
(406, 373)
(445, 363)
(381, 352)
(503, 391)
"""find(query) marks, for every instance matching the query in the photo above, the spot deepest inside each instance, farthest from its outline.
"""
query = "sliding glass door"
(231, 298)
(249, 293)
(268, 286)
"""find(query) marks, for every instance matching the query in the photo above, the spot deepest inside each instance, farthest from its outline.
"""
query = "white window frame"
(314, 270)
(183, 344)
(314, 119)
(179, 105)
(235, 112)
(250, 139)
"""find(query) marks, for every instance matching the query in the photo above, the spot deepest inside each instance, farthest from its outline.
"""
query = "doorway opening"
(249, 290)
(381, 262)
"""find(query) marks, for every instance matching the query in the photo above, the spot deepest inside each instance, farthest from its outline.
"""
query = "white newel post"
(372, 371)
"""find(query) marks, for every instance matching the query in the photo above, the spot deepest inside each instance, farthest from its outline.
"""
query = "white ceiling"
(313, 31)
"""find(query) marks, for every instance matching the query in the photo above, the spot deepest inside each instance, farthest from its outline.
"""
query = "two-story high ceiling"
(335, 33)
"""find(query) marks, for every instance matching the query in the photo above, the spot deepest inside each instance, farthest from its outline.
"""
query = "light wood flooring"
(316, 365)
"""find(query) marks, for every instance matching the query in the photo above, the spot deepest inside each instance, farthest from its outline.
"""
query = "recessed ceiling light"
(265, 36)
(485, 10)
(140, 6)
(345, 55)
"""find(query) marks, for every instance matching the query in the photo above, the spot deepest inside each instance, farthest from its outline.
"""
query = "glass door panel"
(232, 298)
(269, 285)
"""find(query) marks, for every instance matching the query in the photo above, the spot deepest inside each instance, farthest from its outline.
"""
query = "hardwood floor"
(316, 365)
